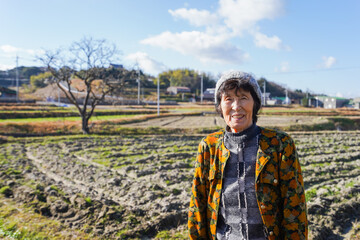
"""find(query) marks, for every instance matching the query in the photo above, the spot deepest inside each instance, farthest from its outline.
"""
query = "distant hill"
(8, 78)
(277, 90)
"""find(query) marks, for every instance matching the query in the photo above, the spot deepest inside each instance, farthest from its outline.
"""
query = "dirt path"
(210, 121)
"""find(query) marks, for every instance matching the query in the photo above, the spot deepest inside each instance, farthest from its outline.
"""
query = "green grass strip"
(29, 120)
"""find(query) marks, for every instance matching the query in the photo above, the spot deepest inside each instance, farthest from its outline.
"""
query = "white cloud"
(9, 49)
(195, 17)
(263, 41)
(240, 15)
(206, 47)
(328, 62)
(231, 21)
(146, 63)
(4, 67)
(25, 56)
(284, 67)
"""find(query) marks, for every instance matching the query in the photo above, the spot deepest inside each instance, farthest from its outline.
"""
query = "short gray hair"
(242, 77)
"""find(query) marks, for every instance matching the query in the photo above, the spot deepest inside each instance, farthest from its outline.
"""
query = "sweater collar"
(243, 136)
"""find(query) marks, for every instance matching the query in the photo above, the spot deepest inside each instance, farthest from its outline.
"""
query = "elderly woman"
(247, 182)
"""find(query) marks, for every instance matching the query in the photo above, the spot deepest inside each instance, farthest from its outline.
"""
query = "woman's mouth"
(238, 117)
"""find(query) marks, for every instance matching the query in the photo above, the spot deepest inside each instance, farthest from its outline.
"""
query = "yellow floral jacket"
(278, 184)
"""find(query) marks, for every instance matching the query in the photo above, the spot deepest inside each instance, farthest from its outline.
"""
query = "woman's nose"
(236, 105)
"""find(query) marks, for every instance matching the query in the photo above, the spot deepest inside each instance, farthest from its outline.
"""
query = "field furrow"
(138, 186)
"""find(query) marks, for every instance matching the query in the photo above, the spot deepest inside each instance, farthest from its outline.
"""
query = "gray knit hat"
(241, 76)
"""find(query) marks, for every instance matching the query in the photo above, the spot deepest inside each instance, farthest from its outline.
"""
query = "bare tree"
(87, 61)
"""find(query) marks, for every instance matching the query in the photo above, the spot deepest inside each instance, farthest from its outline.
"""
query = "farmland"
(136, 184)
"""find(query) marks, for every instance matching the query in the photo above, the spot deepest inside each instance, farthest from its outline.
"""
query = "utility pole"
(201, 89)
(58, 96)
(264, 92)
(158, 97)
(17, 78)
(308, 98)
(138, 80)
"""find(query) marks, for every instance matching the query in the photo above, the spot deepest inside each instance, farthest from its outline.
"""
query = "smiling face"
(237, 109)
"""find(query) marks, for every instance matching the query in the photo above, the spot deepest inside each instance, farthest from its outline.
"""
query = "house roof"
(7, 90)
(184, 88)
(210, 90)
(323, 97)
(116, 65)
(339, 98)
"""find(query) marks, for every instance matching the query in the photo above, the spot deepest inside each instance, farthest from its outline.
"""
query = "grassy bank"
(334, 123)
(59, 119)
(18, 221)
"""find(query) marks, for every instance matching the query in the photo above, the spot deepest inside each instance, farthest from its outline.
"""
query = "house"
(112, 65)
(334, 102)
(319, 101)
(209, 94)
(356, 103)
(275, 101)
(265, 98)
(176, 90)
(7, 95)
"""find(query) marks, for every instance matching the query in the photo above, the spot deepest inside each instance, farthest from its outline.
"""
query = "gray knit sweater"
(239, 215)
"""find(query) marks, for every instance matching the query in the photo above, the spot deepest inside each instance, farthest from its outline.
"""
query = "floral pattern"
(278, 183)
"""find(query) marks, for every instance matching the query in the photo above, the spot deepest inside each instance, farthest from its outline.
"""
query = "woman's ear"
(219, 110)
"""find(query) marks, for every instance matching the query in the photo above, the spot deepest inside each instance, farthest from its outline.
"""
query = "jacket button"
(262, 207)
(271, 233)
(275, 181)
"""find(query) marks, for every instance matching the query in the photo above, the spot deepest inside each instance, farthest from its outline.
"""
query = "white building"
(176, 90)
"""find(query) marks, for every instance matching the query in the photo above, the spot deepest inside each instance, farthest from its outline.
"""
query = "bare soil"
(130, 187)
(211, 121)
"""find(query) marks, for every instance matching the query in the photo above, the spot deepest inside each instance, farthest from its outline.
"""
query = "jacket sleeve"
(197, 219)
(294, 224)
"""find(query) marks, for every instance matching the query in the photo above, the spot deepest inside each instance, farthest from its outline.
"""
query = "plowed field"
(139, 186)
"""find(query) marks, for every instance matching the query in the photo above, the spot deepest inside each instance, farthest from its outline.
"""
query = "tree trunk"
(85, 125)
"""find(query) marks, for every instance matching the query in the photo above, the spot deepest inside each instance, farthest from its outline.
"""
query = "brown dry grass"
(21, 107)
(74, 127)
(40, 128)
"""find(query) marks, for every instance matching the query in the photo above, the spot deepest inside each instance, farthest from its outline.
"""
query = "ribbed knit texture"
(239, 215)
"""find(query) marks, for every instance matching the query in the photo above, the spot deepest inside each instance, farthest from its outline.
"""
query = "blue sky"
(307, 45)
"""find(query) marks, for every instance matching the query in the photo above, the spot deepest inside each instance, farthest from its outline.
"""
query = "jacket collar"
(265, 151)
